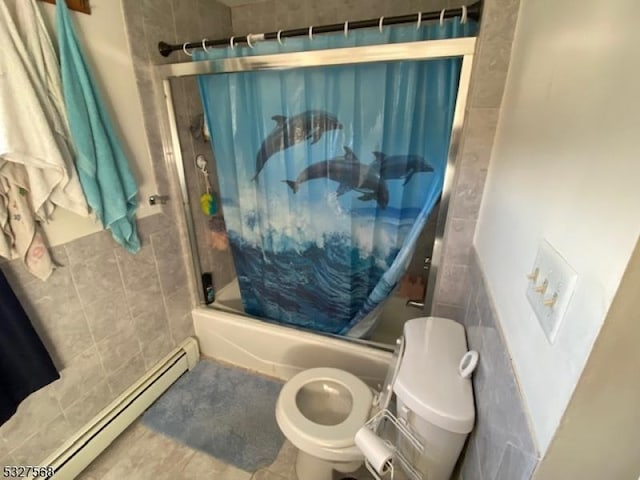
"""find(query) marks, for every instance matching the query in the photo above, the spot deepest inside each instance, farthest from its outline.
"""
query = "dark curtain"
(25, 365)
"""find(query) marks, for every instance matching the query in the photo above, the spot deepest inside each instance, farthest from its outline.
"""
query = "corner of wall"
(502, 444)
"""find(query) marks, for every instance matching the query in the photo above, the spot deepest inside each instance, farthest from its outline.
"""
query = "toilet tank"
(431, 395)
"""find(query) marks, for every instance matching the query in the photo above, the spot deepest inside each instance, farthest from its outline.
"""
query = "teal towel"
(103, 168)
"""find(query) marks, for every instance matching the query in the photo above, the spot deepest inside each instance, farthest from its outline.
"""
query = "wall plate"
(551, 280)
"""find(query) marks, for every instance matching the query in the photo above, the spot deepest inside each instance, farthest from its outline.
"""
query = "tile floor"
(142, 454)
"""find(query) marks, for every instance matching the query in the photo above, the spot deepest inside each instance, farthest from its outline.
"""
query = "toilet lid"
(333, 436)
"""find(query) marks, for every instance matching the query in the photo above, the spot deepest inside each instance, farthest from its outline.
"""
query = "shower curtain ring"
(419, 20)
(204, 46)
(232, 42)
(442, 16)
(463, 18)
(278, 37)
(380, 24)
(311, 32)
(186, 52)
(346, 28)
(249, 40)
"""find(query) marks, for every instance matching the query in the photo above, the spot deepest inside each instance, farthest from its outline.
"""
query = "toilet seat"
(303, 431)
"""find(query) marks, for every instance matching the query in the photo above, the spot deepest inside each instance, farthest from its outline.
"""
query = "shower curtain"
(25, 365)
(328, 175)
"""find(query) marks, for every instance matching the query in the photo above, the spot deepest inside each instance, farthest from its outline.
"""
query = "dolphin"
(350, 174)
(399, 166)
(297, 129)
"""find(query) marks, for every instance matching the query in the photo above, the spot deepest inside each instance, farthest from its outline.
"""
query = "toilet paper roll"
(375, 450)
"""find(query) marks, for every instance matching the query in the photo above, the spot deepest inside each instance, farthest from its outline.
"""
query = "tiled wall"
(501, 447)
(485, 95)
(106, 317)
(177, 21)
(272, 15)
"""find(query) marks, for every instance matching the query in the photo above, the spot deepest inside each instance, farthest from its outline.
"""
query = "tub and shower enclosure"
(333, 156)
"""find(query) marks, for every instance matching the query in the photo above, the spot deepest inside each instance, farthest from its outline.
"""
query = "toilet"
(320, 410)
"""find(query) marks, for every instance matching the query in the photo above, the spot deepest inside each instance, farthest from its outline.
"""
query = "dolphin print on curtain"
(328, 175)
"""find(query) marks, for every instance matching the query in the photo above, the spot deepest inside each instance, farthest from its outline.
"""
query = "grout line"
(84, 315)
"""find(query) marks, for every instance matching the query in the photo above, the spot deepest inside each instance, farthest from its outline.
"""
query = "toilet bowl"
(320, 410)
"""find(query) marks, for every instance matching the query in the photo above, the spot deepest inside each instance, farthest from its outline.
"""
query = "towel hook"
(442, 16)
(232, 42)
(346, 29)
(278, 37)
(380, 24)
(249, 40)
(204, 46)
(186, 52)
(311, 32)
(463, 18)
(419, 20)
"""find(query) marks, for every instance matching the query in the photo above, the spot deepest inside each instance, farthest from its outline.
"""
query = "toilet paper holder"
(403, 436)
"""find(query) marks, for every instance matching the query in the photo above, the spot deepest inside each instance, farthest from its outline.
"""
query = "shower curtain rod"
(473, 11)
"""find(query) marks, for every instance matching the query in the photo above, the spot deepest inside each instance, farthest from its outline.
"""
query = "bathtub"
(282, 352)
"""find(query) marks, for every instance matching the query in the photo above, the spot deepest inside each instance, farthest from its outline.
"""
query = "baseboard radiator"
(80, 450)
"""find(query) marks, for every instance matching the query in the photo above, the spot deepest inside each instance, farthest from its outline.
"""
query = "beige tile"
(181, 328)
(490, 74)
(127, 375)
(202, 465)
(215, 19)
(499, 19)
(45, 441)
(178, 304)
(156, 349)
(97, 277)
(108, 315)
(458, 239)
(467, 194)
(36, 410)
(155, 32)
(88, 405)
(152, 457)
(152, 224)
(172, 269)
(84, 372)
(285, 463)
(146, 297)
(6, 459)
(479, 132)
(62, 327)
(114, 453)
(18, 276)
(86, 248)
(264, 474)
(453, 312)
(137, 269)
(453, 285)
(132, 10)
(256, 17)
(151, 322)
(117, 349)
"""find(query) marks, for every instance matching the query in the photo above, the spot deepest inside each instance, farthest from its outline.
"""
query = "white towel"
(36, 166)
(33, 130)
(22, 238)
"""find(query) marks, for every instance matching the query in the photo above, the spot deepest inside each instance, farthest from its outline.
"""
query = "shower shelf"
(403, 436)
